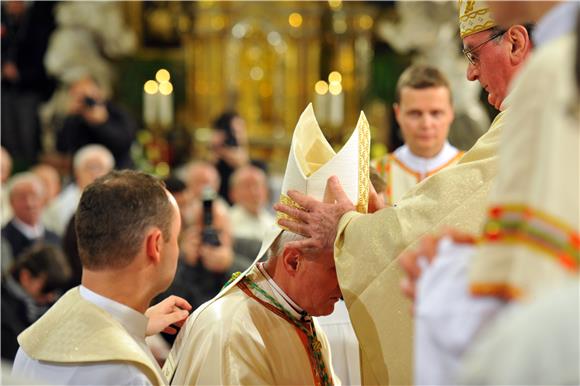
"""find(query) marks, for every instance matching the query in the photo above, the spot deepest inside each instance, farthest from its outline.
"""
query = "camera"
(209, 234)
(90, 102)
(230, 140)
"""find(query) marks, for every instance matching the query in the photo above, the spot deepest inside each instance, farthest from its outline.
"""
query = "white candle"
(165, 110)
(150, 94)
(336, 114)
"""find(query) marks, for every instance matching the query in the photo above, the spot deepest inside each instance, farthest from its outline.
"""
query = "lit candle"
(150, 96)
(166, 104)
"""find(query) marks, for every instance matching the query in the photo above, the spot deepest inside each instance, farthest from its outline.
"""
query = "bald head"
(201, 174)
(91, 162)
(26, 193)
(249, 188)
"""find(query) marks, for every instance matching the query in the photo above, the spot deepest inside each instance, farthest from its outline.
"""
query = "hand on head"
(318, 221)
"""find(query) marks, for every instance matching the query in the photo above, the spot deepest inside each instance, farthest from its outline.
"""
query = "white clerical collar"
(30, 231)
(559, 21)
(295, 310)
(133, 321)
(424, 166)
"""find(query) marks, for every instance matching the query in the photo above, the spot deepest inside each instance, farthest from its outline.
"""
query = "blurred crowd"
(224, 201)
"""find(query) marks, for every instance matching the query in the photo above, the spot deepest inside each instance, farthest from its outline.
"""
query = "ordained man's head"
(308, 278)
(126, 214)
(423, 109)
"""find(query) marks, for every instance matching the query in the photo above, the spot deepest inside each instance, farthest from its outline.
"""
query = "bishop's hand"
(318, 221)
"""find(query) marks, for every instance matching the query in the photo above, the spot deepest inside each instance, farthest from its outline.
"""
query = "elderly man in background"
(249, 193)
(89, 163)
(424, 110)
(50, 179)
(454, 196)
(5, 172)
(259, 329)
(127, 227)
(26, 227)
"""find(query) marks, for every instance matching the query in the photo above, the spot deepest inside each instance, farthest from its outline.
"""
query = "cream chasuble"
(75, 331)
(251, 335)
(400, 173)
(366, 248)
(531, 240)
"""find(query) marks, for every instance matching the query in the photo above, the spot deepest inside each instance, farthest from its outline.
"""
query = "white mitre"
(312, 161)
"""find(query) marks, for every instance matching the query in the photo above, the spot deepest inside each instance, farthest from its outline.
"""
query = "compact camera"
(209, 235)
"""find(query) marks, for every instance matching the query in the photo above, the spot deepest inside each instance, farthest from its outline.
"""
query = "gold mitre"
(474, 17)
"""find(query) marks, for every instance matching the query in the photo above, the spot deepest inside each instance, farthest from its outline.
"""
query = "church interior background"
(178, 65)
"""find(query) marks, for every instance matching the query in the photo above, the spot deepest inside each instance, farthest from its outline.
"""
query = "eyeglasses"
(469, 53)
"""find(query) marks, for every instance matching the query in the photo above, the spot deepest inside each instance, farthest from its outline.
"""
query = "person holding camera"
(93, 119)
(206, 258)
(230, 148)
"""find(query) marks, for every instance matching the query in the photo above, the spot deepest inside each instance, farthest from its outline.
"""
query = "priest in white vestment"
(259, 329)
(423, 108)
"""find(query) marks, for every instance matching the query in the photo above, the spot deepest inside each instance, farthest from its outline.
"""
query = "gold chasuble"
(251, 336)
(531, 241)
(366, 248)
(75, 331)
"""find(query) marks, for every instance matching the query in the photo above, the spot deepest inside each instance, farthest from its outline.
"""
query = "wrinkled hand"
(319, 220)
(376, 201)
(173, 310)
(413, 260)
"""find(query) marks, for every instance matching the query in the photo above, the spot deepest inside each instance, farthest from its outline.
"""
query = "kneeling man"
(260, 328)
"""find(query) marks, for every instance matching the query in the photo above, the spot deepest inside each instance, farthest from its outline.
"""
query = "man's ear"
(291, 260)
(153, 242)
(397, 111)
(520, 43)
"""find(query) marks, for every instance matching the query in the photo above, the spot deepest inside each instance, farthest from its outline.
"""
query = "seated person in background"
(5, 171)
(26, 228)
(260, 328)
(423, 108)
(30, 286)
(206, 258)
(92, 119)
(97, 330)
(249, 193)
(50, 179)
(230, 147)
(199, 175)
(89, 163)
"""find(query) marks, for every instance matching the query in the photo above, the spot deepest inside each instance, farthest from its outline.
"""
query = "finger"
(336, 191)
(459, 236)
(376, 201)
(295, 227)
(303, 200)
(181, 303)
(170, 330)
(304, 245)
(295, 213)
(428, 247)
(175, 317)
(407, 288)
(408, 261)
